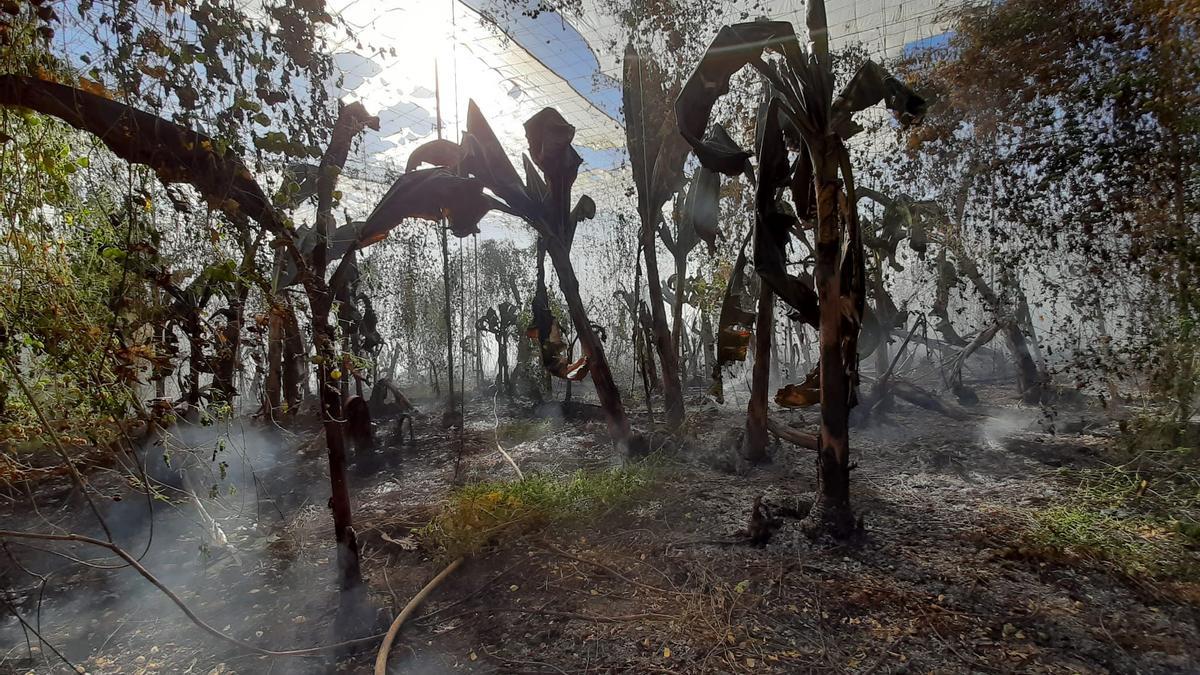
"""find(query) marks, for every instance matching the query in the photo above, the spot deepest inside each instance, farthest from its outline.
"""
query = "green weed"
(480, 514)
(1144, 524)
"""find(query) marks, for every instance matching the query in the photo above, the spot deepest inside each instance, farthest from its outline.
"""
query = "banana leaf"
(484, 158)
(802, 82)
(549, 137)
(734, 323)
(299, 184)
(697, 213)
(430, 194)
(774, 221)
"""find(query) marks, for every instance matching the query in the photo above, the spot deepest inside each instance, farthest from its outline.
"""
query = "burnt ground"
(941, 580)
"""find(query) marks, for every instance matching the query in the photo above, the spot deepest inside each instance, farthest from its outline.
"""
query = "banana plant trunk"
(593, 349)
(755, 446)
(677, 318)
(349, 566)
(503, 379)
(831, 510)
(664, 344)
(446, 315)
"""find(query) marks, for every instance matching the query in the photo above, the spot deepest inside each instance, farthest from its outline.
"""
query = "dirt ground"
(941, 580)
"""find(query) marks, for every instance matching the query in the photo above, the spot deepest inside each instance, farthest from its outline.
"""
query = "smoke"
(237, 526)
(1004, 425)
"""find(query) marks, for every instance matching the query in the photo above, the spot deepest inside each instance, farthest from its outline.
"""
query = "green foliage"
(481, 514)
(1145, 524)
(59, 292)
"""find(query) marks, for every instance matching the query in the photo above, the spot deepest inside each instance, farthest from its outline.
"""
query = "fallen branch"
(956, 363)
(132, 562)
(921, 398)
(800, 438)
(880, 389)
(385, 648)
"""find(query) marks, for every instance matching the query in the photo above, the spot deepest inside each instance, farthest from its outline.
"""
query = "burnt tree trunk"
(946, 279)
(228, 364)
(273, 387)
(707, 342)
(755, 445)
(1028, 380)
(295, 372)
(194, 330)
(225, 361)
(349, 566)
(320, 300)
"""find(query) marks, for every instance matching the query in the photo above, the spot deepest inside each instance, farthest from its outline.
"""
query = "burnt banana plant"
(801, 147)
(181, 155)
(543, 200)
(696, 213)
(656, 155)
(500, 325)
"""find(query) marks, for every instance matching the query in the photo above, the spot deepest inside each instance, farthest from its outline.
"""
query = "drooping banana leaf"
(498, 323)
(774, 221)
(734, 47)
(553, 348)
(439, 152)
(430, 194)
(340, 242)
(585, 209)
(697, 214)
(489, 322)
(549, 137)
(508, 315)
(869, 86)
(802, 81)
(734, 323)
(803, 395)
(484, 158)
(299, 183)
(702, 207)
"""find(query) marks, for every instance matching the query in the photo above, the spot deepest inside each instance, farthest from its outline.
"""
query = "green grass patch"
(480, 514)
(1145, 525)
(520, 431)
